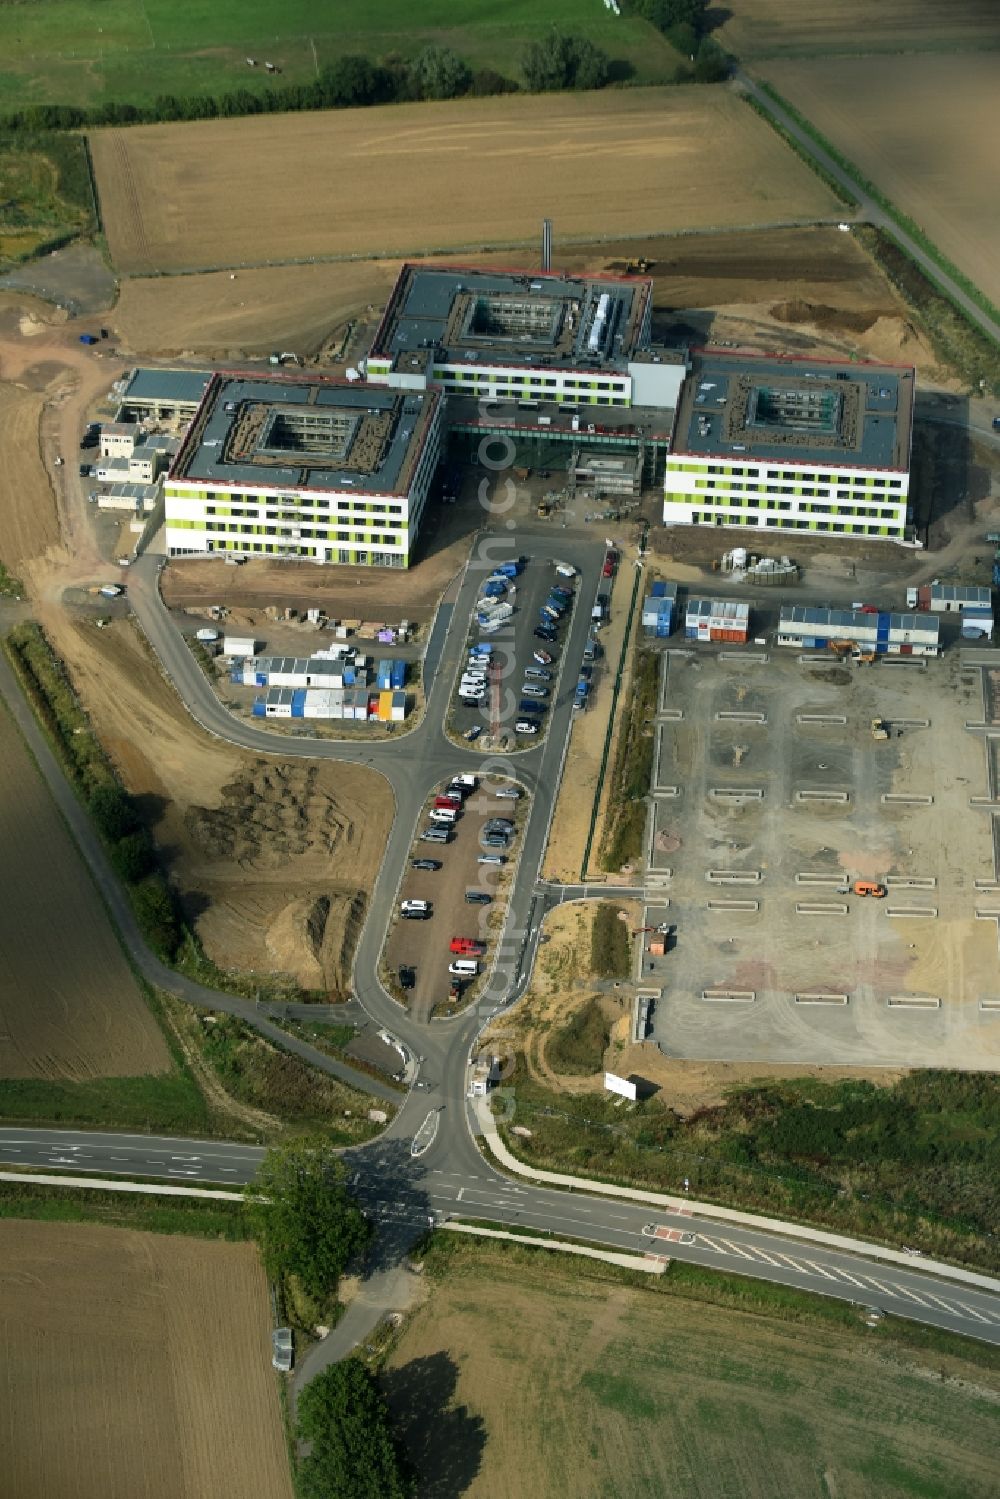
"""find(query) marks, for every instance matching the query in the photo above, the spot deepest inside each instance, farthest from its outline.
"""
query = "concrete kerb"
(687, 1207)
(648, 1264)
(99, 1184)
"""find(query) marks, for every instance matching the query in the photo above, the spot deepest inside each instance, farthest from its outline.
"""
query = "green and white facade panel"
(523, 336)
(776, 445)
(303, 468)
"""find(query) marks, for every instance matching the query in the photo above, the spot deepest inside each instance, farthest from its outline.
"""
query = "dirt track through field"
(923, 130)
(69, 1006)
(135, 1366)
(422, 177)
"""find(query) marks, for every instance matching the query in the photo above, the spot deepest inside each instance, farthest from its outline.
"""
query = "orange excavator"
(869, 887)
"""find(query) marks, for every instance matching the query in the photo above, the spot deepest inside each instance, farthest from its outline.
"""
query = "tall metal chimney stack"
(546, 244)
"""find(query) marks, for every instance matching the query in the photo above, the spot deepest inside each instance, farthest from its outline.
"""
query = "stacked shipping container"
(717, 619)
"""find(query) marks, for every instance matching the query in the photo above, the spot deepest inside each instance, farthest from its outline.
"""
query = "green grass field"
(45, 198)
(87, 52)
(529, 1374)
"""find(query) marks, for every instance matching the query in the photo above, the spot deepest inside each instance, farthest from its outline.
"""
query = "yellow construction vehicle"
(879, 730)
(842, 647)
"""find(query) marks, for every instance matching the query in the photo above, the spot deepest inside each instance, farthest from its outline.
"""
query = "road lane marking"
(735, 1249)
(932, 1297)
(886, 1290)
(905, 1291)
(819, 1269)
(461, 1194)
(973, 1313)
(848, 1276)
(758, 1251)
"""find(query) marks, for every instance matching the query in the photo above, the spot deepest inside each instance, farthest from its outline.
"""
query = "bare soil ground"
(919, 127)
(632, 1391)
(136, 1365)
(342, 592)
(69, 1005)
(274, 860)
(356, 182)
(810, 290)
(768, 28)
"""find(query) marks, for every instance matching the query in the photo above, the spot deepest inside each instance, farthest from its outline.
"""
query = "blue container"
(260, 679)
(509, 569)
(299, 703)
(398, 675)
(658, 590)
(691, 633)
(258, 708)
(495, 590)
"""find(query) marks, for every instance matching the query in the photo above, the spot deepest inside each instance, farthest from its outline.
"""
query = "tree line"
(558, 61)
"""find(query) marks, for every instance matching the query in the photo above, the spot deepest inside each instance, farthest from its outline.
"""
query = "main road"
(401, 1188)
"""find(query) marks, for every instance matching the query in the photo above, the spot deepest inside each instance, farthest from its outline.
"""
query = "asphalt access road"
(401, 1190)
(401, 1194)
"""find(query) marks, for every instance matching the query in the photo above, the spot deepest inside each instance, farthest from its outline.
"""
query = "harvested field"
(28, 522)
(274, 860)
(919, 128)
(642, 1391)
(69, 1006)
(770, 28)
(279, 307)
(409, 178)
(135, 1366)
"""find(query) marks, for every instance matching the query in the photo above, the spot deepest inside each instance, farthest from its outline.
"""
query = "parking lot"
(514, 647)
(423, 945)
(771, 798)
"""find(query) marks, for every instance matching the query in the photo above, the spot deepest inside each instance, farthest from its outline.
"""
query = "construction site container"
(806, 626)
(398, 675)
(948, 598)
(238, 645)
(323, 702)
(383, 675)
(717, 619)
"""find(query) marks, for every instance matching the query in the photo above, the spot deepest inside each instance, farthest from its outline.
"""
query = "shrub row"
(114, 811)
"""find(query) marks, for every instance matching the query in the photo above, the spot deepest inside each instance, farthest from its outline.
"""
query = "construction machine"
(879, 730)
(869, 887)
(842, 647)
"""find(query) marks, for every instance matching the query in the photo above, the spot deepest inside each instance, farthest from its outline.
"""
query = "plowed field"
(923, 130)
(69, 1006)
(135, 1366)
(426, 177)
(768, 28)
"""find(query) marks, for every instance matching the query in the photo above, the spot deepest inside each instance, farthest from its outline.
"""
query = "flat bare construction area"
(636, 1392)
(923, 130)
(426, 177)
(135, 1366)
(69, 1006)
(768, 28)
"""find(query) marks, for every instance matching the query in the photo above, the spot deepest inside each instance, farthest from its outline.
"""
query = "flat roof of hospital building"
(456, 315)
(792, 412)
(305, 432)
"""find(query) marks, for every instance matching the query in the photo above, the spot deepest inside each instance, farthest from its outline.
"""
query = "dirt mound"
(295, 937)
(269, 814)
(830, 319)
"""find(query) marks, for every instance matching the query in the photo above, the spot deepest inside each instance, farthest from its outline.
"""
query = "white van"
(415, 905)
(464, 968)
(491, 859)
(443, 814)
